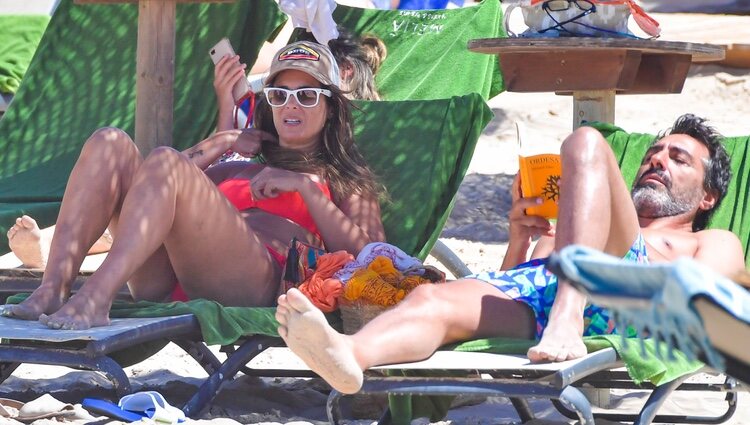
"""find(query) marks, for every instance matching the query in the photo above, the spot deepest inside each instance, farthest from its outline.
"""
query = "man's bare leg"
(431, 316)
(97, 184)
(164, 212)
(31, 244)
(595, 210)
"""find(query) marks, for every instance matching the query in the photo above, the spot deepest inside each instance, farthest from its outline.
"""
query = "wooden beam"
(155, 74)
(598, 105)
(569, 70)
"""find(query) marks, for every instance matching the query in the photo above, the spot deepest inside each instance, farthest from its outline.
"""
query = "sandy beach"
(476, 231)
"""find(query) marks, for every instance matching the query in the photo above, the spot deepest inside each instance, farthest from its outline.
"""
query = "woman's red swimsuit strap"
(289, 205)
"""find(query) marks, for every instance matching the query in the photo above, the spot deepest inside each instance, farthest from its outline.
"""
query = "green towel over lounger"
(427, 49)
(19, 36)
(83, 76)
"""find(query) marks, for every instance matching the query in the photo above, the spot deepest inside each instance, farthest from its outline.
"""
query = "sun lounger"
(629, 149)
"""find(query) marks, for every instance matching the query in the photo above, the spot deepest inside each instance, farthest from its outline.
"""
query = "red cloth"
(320, 288)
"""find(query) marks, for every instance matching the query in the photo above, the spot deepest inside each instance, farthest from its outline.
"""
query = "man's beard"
(653, 200)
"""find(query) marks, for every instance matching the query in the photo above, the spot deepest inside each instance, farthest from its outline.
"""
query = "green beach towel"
(428, 56)
(734, 212)
(19, 37)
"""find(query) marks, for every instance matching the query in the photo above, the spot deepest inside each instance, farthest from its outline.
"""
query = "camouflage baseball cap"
(309, 57)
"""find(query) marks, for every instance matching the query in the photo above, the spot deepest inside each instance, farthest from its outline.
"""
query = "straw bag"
(587, 18)
(356, 314)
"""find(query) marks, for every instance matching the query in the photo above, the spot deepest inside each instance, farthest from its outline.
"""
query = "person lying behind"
(682, 179)
(222, 232)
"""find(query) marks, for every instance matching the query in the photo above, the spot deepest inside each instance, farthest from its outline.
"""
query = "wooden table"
(154, 102)
(594, 70)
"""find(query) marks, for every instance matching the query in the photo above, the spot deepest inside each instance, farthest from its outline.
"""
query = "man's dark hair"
(717, 167)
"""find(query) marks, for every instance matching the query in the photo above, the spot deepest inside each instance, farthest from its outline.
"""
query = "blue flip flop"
(134, 407)
(106, 408)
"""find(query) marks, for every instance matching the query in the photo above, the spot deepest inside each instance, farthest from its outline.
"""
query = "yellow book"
(540, 176)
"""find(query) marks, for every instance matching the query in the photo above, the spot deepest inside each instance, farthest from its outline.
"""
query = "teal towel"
(19, 36)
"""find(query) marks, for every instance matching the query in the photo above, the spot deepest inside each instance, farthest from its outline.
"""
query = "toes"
(282, 300)
(298, 301)
(281, 316)
(44, 319)
(27, 222)
(11, 232)
(283, 331)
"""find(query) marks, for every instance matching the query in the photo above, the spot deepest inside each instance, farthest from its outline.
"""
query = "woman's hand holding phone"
(230, 82)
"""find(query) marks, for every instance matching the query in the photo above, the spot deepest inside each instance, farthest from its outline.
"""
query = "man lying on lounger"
(681, 181)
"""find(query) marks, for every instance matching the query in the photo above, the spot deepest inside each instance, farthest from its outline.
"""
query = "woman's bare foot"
(29, 243)
(82, 311)
(561, 341)
(45, 299)
(327, 352)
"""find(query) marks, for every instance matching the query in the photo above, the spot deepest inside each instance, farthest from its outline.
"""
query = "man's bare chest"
(668, 246)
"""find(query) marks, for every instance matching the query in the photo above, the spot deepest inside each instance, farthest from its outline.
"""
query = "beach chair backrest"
(420, 150)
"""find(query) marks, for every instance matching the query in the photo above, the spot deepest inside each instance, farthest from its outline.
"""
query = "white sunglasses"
(307, 97)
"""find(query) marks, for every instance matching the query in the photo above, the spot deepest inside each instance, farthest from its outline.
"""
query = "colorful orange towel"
(320, 288)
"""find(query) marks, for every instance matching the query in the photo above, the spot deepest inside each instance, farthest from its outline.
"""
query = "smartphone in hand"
(218, 51)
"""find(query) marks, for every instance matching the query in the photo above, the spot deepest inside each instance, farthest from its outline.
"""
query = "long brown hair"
(338, 161)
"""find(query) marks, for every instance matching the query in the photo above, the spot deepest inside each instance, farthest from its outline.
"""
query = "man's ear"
(709, 200)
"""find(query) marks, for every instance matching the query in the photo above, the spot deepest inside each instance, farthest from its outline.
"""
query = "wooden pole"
(595, 105)
(155, 74)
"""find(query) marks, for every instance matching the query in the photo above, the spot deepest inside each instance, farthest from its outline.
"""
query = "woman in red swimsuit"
(221, 231)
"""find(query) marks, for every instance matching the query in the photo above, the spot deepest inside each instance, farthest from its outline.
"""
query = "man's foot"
(561, 341)
(29, 243)
(80, 312)
(327, 352)
(44, 300)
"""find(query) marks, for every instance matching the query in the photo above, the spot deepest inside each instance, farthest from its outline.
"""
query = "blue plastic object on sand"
(106, 408)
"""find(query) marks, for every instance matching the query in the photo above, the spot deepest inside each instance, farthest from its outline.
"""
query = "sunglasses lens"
(558, 5)
(277, 97)
(584, 5)
(307, 97)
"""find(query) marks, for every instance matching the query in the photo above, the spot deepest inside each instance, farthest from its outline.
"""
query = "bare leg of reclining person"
(30, 244)
(163, 233)
(595, 210)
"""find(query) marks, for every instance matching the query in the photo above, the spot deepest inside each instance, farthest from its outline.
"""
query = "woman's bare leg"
(95, 190)
(596, 210)
(431, 316)
(31, 244)
(173, 207)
